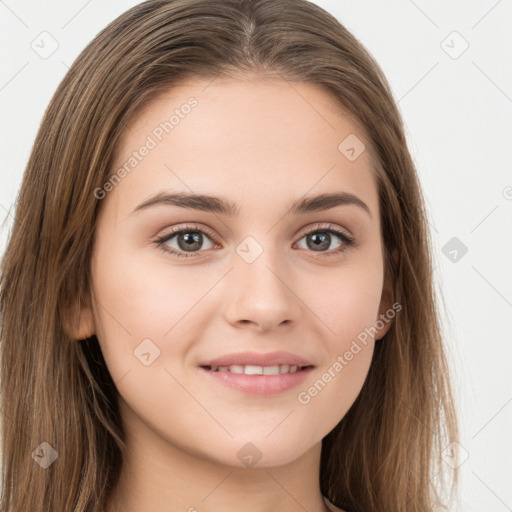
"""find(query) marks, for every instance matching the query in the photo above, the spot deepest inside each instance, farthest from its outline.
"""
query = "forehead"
(245, 138)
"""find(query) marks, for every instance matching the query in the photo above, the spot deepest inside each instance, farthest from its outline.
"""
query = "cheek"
(347, 301)
(350, 314)
(347, 304)
(136, 301)
(336, 386)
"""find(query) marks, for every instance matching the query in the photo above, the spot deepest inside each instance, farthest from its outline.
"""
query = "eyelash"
(348, 241)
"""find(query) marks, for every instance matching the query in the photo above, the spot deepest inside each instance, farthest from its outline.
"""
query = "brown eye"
(185, 240)
(188, 240)
(319, 239)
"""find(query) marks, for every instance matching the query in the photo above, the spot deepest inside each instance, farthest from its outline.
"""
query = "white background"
(458, 115)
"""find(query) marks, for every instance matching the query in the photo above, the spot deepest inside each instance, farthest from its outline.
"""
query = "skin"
(263, 144)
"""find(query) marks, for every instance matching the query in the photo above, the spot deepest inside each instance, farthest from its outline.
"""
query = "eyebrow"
(220, 205)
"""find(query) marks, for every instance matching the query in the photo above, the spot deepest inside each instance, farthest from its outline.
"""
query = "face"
(260, 277)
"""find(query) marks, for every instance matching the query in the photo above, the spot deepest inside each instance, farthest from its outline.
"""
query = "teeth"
(257, 370)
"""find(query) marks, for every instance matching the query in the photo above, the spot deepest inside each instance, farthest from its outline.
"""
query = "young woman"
(218, 290)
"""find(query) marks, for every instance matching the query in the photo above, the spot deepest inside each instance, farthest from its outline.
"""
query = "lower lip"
(260, 384)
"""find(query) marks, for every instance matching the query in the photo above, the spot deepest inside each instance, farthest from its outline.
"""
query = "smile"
(258, 370)
(258, 380)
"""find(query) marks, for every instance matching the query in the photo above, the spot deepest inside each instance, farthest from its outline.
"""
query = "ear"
(78, 321)
(386, 304)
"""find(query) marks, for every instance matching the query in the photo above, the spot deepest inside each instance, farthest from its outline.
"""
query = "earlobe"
(86, 327)
(384, 322)
(78, 322)
(385, 318)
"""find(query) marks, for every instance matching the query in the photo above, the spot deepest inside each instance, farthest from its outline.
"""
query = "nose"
(261, 296)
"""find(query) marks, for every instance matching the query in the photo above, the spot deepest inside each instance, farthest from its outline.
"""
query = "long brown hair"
(58, 398)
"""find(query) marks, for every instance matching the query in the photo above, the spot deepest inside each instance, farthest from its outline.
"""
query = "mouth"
(258, 380)
(281, 369)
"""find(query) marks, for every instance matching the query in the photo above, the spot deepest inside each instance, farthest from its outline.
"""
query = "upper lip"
(257, 359)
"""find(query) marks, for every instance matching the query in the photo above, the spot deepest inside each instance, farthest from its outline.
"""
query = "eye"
(188, 238)
(319, 239)
(191, 239)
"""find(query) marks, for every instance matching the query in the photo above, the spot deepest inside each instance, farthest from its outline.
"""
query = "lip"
(259, 384)
(257, 359)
